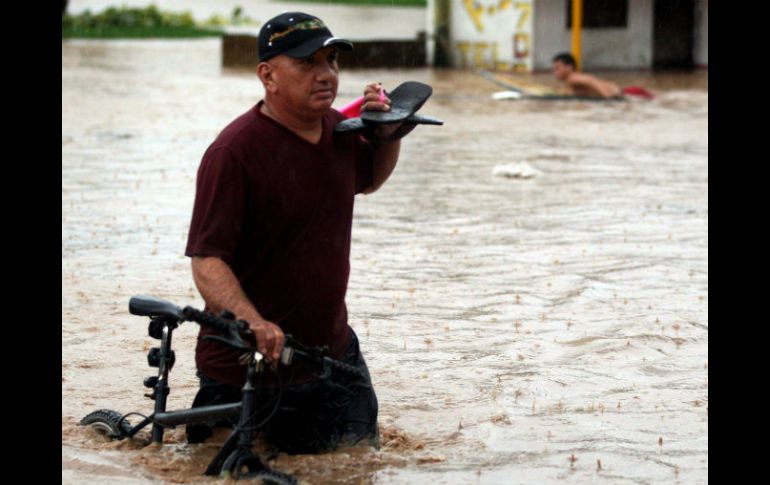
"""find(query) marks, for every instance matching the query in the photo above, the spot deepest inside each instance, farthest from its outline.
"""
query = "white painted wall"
(614, 48)
(701, 54)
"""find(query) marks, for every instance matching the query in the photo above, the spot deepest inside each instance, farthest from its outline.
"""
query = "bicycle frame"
(235, 454)
(241, 436)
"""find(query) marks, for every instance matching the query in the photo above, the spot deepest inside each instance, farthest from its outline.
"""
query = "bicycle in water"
(235, 458)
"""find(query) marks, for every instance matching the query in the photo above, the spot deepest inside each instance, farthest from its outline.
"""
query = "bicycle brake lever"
(233, 338)
(238, 344)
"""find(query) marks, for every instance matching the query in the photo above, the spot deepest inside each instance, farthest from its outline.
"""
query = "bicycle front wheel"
(107, 423)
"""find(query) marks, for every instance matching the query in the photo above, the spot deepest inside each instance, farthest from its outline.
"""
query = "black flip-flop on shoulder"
(357, 124)
(405, 100)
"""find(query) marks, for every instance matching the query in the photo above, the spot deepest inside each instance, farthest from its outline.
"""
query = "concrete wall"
(630, 47)
(386, 53)
(701, 54)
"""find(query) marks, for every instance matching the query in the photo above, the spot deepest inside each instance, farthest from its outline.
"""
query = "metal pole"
(577, 22)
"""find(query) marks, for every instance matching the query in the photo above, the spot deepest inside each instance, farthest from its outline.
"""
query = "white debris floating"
(515, 170)
(506, 95)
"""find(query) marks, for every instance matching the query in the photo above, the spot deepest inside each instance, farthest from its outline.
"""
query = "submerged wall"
(240, 51)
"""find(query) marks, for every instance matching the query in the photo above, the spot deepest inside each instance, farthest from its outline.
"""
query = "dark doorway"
(673, 34)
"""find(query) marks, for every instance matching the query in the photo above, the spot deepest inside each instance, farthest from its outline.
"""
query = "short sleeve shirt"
(278, 210)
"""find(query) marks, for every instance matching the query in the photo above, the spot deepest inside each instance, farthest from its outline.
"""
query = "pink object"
(353, 109)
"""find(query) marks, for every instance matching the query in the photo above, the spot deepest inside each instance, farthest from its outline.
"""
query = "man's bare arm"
(385, 159)
(385, 154)
(220, 288)
(585, 83)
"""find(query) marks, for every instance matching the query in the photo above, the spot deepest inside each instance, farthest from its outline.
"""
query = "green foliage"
(125, 22)
(382, 3)
(238, 18)
(134, 22)
(216, 21)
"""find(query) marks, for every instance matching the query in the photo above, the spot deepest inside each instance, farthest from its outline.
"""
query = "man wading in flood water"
(581, 84)
(270, 235)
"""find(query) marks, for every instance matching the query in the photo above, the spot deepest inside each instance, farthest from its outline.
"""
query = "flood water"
(544, 330)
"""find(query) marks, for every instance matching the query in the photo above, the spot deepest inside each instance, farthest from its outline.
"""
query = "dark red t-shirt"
(278, 210)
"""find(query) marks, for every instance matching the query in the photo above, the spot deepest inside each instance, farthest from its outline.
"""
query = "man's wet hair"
(565, 58)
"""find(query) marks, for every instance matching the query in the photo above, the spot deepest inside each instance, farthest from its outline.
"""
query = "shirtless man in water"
(581, 84)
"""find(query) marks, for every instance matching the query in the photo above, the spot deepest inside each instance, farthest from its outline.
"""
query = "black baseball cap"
(296, 34)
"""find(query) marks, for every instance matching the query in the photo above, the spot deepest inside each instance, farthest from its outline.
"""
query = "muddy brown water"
(543, 330)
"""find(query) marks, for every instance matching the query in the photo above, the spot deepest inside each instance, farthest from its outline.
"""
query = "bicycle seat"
(149, 306)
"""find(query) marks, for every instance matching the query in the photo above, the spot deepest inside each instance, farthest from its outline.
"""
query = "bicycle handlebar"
(219, 324)
(232, 331)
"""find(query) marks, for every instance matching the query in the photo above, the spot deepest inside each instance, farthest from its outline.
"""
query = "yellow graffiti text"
(478, 54)
(475, 11)
(484, 55)
(526, 11)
